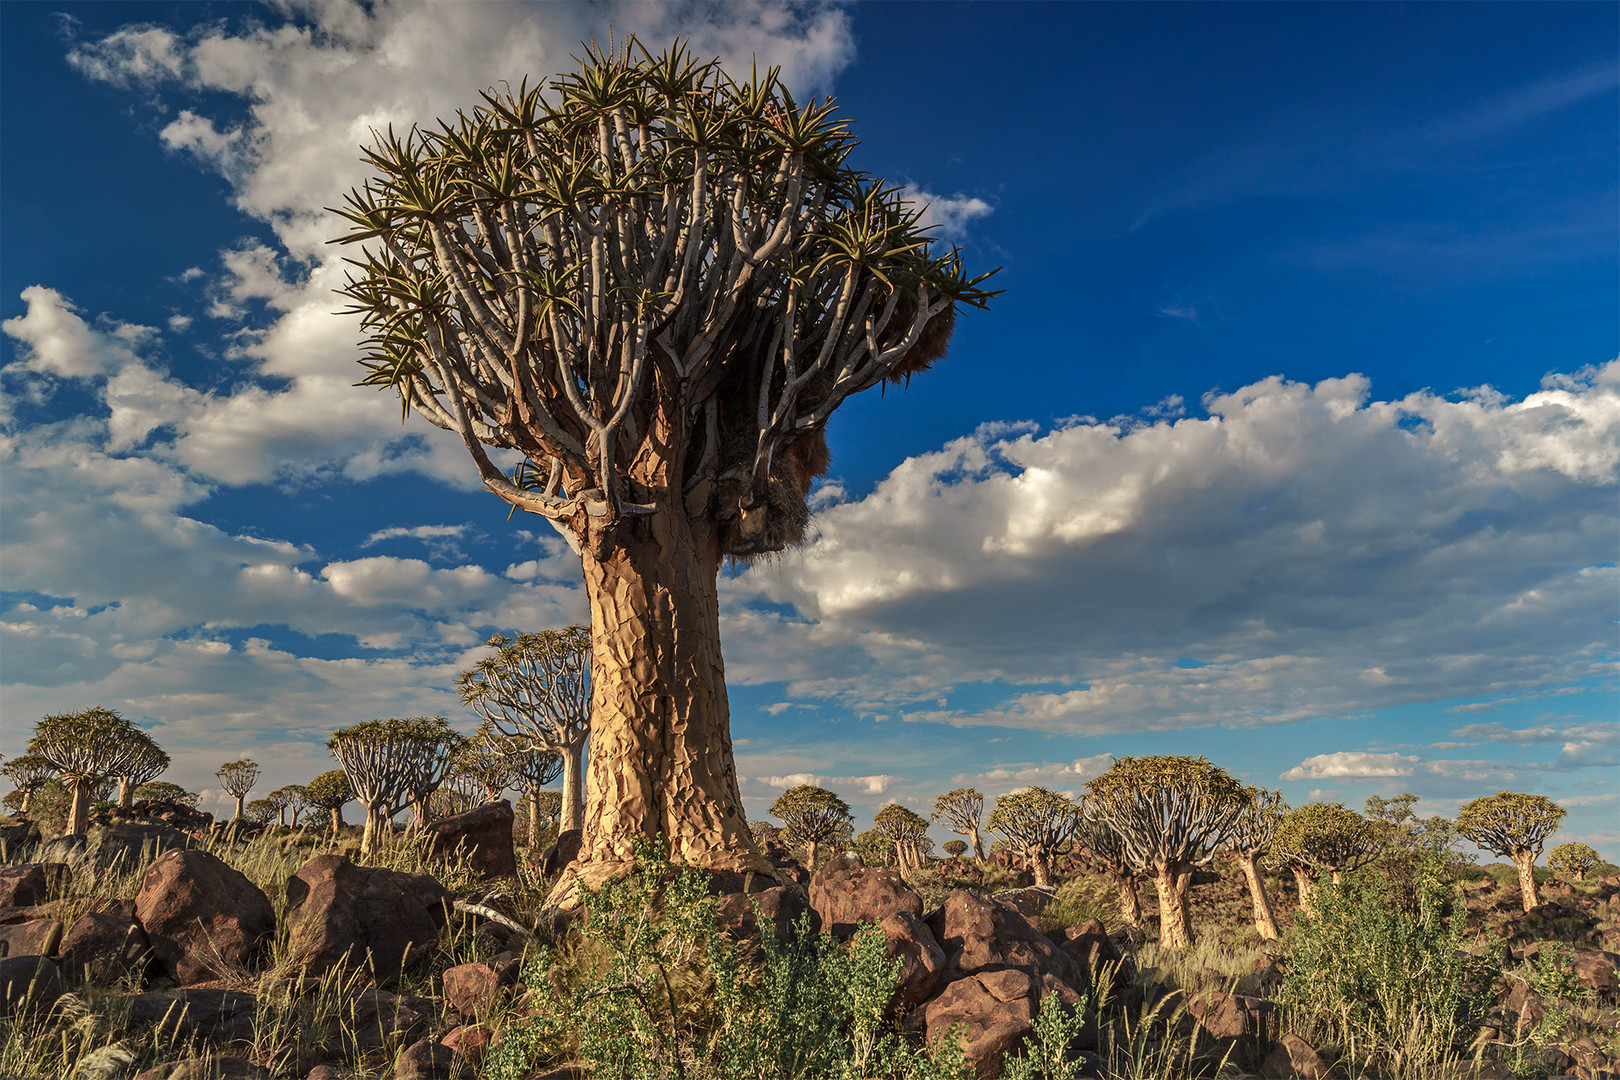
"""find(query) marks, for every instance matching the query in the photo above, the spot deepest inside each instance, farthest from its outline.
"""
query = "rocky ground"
(313, 965)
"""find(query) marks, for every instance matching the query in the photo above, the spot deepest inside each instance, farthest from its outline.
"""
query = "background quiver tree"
(390, 764)
(811, 816)
(1036, 822)
(656, 284)
(27, 772)
(145, 762)
(1573, 860)
(1514, 826)
(956, 848)
(328, 792)
(285, 798)
(960, 810)
(535, 690)
(532, 770)
(487, 759)
(163, 791)
(86, 749)
(1250, 838)
(1172, 813)
(237, 778)
(1103, 851)
(1322, 838)
(906, 830)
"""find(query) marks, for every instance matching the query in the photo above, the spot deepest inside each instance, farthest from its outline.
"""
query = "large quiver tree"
(1513, 825)
(1323, 837)
(1251, 838)
(86, 749)
(907, 830)
(655, 286)
(392, 764)
(1172, 814)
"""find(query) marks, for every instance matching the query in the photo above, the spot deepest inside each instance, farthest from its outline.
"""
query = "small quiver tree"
(1036, 822)
(86, 749)
(259, 811)
(811, 816)
(391, 764)
(285, 799)
(656, 285)
(960, 811)
(1573, 861)
(237, 778)
(1514, 826)
(906, 830)
(1103, 851)
(163, 791)
(487, 759)
(145, 762)
(535, 691)
(956, 848)
(328, 792)
(1320, 838)
(1173, 814)
(532, 771)
(1250, 838)
(27, 772)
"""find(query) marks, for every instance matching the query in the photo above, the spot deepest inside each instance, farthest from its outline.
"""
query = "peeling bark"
(1525, 860)
(1175, 916)
(1130, 903)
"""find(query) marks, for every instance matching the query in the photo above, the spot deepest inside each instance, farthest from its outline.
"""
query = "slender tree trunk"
(1306, 886)
(1175, 920)
(1130, 903)
(374, 831)
(573, 792)
(534, 817)
(239, 800)
(78, 806)
(1525, 860)
(978, 848)
(28, 795)
(126, 794)
(1265, 924)
(812, 846)
(661, 760)
(337, 820)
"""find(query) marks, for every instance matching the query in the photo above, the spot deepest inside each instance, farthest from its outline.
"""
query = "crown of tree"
(1509, 821)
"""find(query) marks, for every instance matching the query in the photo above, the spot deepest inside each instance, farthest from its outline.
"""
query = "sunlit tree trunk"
(978, 848)
(1525, 860)
(1130, 903)
(126, 794)
(240, 799)
(1265, 923)
(1307, 888)
(661, 759)
(1040, 865)
(534, 818)
(812, 853)
(78, 806)
(337, 820)
(1175, 916)
(573, 792)
(376, 827)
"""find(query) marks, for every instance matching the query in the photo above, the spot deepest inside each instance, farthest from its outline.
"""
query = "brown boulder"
(922, 961)
(204, 919)
(469, 1042)
(740, 913)
(28, 983)
(561, 854)
(1294, 1059)
(211, 1067)
(196, 1013)
(101, 946)
(128, 844)
(339, 913)
(1090, 947)
(476, 989)
(1596, 971)
(428, 1060)
(482, 835)
(36, 937)
(1230, 1016)
(979, 934)
(377, 1018)
(845, 896)
(995, 1011)
(1031, 903)
(32, 883)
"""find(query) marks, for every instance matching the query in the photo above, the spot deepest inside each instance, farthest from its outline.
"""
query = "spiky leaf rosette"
(1573, 860)
(88, 746)
(1325, 836)
(388, 762)
(1168, 811)
(238, 777)
(646, 249)
(1255, 828)
(28, 771)
(534, 689)
(329, 791)
(1509, 821)
(1034, 818)
(812, 815)
(901, 825)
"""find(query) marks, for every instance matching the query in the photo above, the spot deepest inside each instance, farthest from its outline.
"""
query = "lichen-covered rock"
(978, 934)
(995, 1010)
(340, 914)
(482, 835)
(204, 919)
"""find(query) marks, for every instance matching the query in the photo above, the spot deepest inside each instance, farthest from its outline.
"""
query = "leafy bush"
(1388, 987)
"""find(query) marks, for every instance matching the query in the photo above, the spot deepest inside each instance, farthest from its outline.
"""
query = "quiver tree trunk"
(1040, 865)
(1525, 860)
(240, 799)
(1175, 915)
(1130, 903)
(573, 790)
(376, 829)
(661, 759)
(1306, 885)
(978, 848)
(337, 820)
(78, 805)
(126, 794)
(1265, 923)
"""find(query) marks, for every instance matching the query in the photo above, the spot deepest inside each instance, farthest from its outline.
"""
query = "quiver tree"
(656, 286)
(163, 791)
(86, 749)
(1249, 839)
(1103, 851)
(535, 690)
(960, 811)
(906, 830)
(487, 760)
(811, 816)
(328, 792)
(237, 778)
(288, 797)
(26, 773)
(1514, 826)
(956, 848)
(392, 764)
(145, 762)
(536, 769)
(259, 811)
(1036, 822)
(1573, 860)
(1320, 838)
(1172, 813)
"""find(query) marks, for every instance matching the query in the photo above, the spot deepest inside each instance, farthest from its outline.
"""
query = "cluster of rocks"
(165, 812)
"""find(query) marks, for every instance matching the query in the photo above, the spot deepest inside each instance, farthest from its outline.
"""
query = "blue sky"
(1294, 441)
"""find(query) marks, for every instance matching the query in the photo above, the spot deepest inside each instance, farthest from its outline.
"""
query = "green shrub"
(1389, 988)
